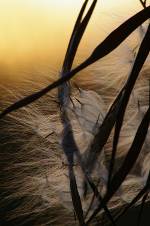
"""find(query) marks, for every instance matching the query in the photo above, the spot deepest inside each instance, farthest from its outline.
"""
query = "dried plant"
(106, 126)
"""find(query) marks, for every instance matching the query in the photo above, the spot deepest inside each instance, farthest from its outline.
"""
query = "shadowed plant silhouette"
(88, 132)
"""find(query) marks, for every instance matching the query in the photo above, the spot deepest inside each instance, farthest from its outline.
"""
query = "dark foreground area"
(129, 219)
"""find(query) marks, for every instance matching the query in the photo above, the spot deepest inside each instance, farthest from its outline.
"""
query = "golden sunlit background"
(34, 33)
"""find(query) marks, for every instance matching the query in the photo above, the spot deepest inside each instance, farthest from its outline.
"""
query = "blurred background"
(34, 34)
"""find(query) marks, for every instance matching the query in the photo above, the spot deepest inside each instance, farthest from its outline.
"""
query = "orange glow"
(37, 31)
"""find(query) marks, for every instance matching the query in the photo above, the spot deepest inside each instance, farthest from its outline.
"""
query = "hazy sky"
(37, 31)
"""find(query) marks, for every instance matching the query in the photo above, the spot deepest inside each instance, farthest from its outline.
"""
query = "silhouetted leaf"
(71, 50)
(143, 3)
(75, 197)
(138, 64)
(128, 163)
(69, 147)
(63, 96)
(77, 34)
(78, 31)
